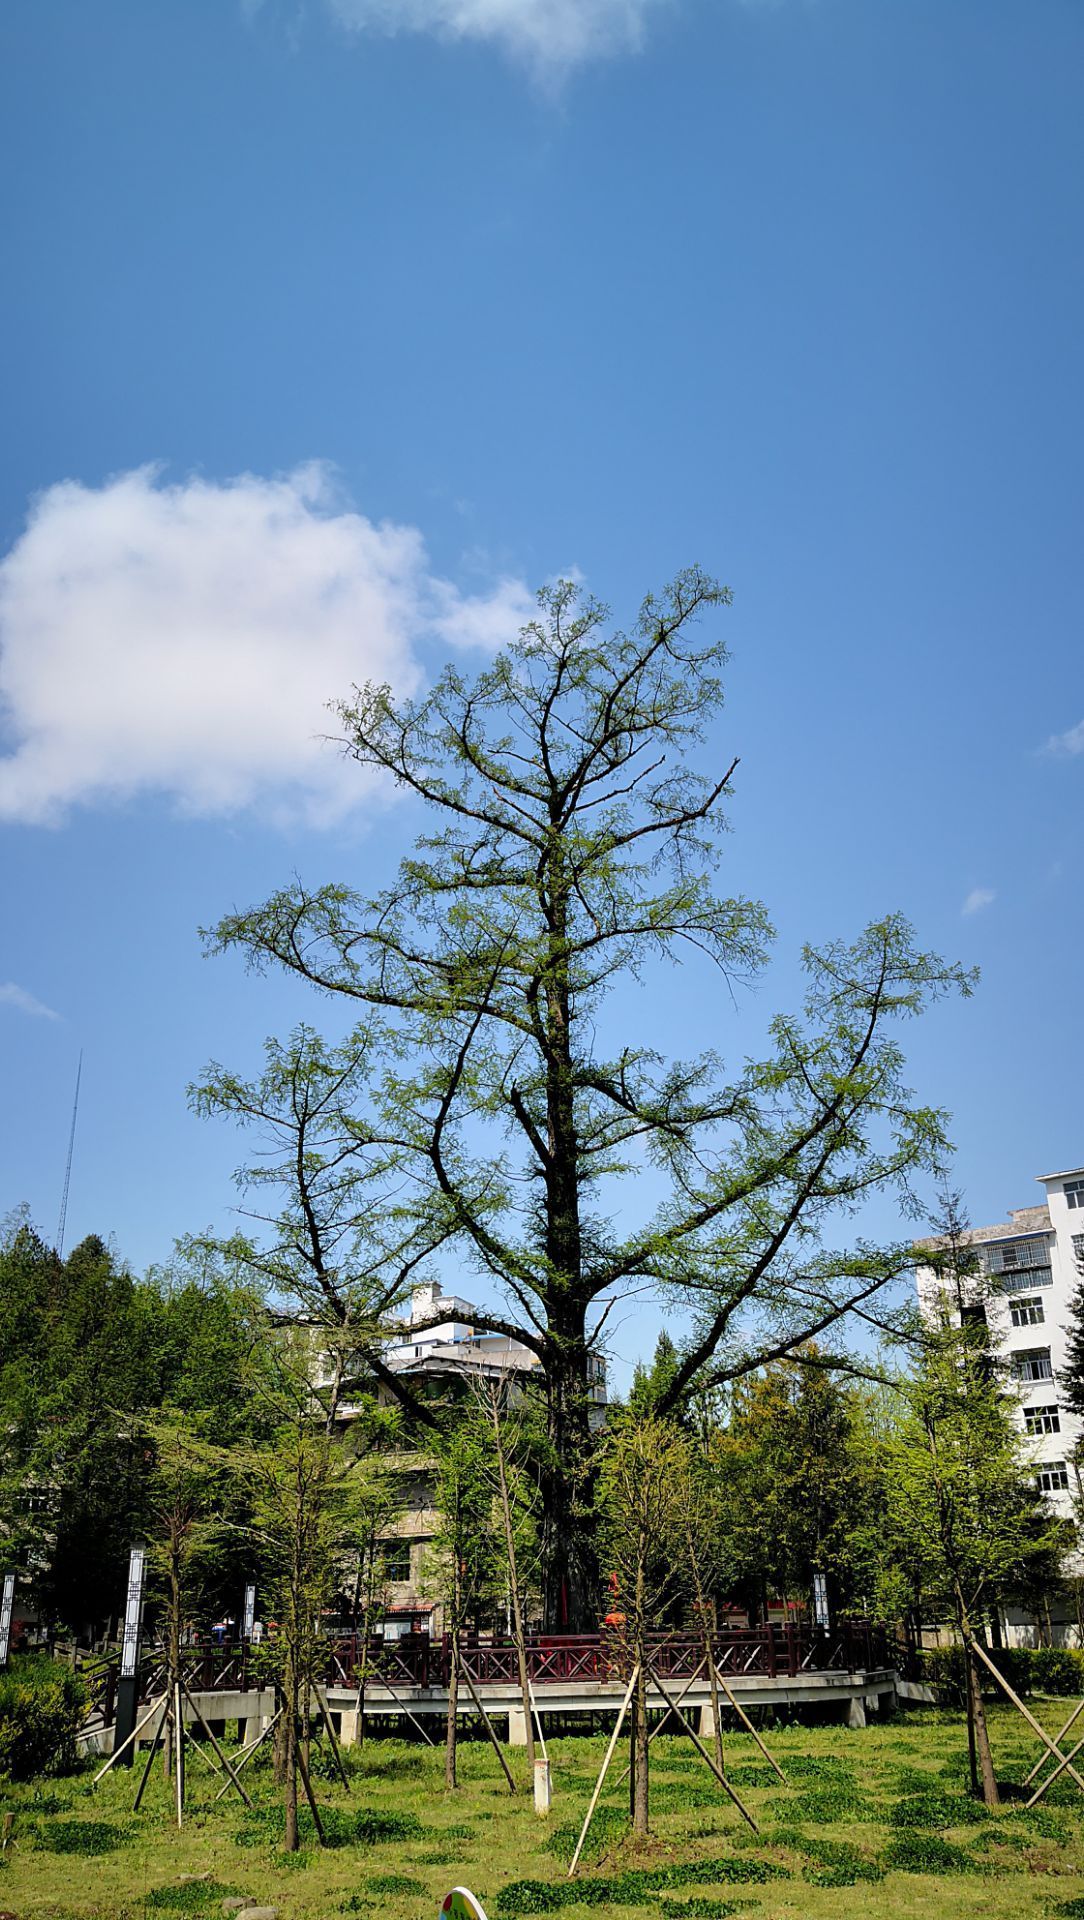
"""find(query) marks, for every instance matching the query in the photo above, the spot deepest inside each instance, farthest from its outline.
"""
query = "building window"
(1074, 1193)
(1032, 1364)
(396, 1558)
(1078, 1248)
(1041, 1420)
(1026, 1313)
(1016, 1264)
(1053, 1477)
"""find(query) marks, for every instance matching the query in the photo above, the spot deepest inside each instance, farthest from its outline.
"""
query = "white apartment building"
(1032, 1263)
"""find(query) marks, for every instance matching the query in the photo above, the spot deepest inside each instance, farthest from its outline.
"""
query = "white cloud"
(185, 640)
(547, 33)
(978, 898)
(1070, 742)
(13, 996)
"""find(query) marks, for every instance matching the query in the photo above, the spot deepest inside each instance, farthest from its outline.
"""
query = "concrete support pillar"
(348, 1727)
(856, 1711)
(517, 1727)
(706, 1725)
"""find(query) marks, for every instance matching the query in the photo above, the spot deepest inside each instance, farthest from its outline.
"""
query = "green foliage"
(816, 1766)
(608, 1826)
(796, 1482)
(633, 1887)
(926, 1853)
(89, 1837)
(833, 1863)
(86, 1350)
(701, 1907)
(1043, 1822)
(41, 1709)
(343, 1827)
(189, 1896)
(836, 1800)
(933, 1809)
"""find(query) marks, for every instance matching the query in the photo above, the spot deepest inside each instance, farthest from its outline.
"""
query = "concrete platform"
(853, 1696)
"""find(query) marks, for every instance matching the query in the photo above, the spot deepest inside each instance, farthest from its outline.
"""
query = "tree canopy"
(575, 843)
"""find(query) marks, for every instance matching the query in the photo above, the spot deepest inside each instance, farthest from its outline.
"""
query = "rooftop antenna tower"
(68, 1168)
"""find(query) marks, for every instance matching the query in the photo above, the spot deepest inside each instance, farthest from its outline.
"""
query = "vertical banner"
(248, 1616)
(128, 1682)
(133, 1614)
(820, 1601)
(7, 1604)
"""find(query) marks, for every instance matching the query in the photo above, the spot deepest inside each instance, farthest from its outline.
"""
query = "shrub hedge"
(1027, 1670)
(42, 1703)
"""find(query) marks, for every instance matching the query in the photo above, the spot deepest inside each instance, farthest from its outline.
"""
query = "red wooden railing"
(553, 1660)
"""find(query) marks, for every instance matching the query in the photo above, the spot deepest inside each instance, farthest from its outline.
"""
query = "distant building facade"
(1031, 1264)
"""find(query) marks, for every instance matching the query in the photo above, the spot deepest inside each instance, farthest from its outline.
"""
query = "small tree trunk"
(976, 1716)
(640, 1762)
(173, 1652)
(451, 1728)
(513, 1581)
(716, 1708)
(280, 1749)
(291, 1841)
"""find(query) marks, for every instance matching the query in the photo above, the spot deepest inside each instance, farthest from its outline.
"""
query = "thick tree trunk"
(570, 1571)
(570, 1574)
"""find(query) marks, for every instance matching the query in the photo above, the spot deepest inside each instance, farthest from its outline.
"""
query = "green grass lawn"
(871, 1824)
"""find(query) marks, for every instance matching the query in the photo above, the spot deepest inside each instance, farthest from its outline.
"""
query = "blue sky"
(323, 344)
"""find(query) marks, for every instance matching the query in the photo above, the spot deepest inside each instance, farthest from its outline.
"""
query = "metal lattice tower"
(68, 1167)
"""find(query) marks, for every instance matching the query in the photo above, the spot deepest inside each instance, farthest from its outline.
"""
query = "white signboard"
(7, 1602)
(133, 1609)
(820, 1600)
(249, 1616)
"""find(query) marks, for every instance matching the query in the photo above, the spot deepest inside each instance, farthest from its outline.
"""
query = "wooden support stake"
(1050, 1779)
(614, 1737)
(249, 1751)
(976, 1647)
(538, 1722)
(310, 1796)
(325, 1714)
(1059, 1737)
(488, 1725)
(746, 1722)
(703, 1752)
(662, 1723)
(125, 1744)
(225, 1763)
(155, 1744)
(424, 1731)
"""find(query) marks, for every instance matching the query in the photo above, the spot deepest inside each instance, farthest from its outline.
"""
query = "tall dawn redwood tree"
(572, 845)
